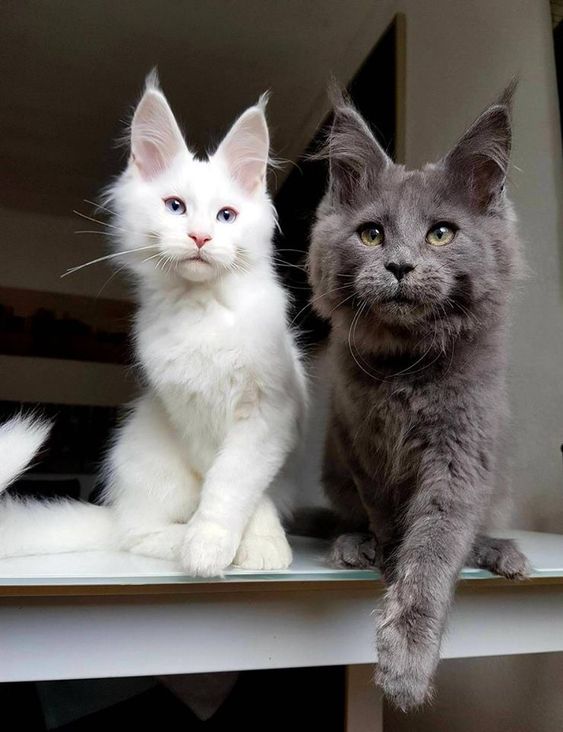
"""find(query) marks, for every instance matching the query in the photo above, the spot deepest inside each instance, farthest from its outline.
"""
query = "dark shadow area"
(374, 91)
(276, 700)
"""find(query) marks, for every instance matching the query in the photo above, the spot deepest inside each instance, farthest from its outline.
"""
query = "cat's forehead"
(206, 172)
(400, 192)
(201, 179)
(403, 183)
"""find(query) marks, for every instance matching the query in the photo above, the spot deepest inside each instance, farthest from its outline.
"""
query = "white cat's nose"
(200, 239)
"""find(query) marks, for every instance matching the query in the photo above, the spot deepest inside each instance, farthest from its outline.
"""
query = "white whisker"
(97, 221)
(91, 231)
(351, 341)
(106, 257)
(318, 297)
(99, 206)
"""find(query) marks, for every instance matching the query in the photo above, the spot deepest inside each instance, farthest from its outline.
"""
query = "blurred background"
(420, 71)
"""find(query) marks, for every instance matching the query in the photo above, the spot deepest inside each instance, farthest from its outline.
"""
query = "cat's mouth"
(194, 259)
(400, 299)
(195, 268)
(402, 306)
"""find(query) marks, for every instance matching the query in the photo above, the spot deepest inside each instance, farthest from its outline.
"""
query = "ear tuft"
(355, 156)
(152, 81)
(245, 148)
(156, 139)
(337, 95)
(506, 99)
(479, 162)
(263, 100)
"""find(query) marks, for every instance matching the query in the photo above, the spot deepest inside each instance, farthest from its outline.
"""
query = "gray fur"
(418, 374)
(357, 549)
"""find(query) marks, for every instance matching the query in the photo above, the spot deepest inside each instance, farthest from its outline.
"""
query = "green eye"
(440, 235)
(371, 235)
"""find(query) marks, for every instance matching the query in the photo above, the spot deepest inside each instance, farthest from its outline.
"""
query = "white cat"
(190, 470)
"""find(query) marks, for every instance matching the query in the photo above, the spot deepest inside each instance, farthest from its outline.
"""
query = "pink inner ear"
(155, 136)
(148, 159)
(245, 150)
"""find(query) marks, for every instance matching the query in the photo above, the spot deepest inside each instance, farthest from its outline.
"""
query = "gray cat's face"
(410, 247)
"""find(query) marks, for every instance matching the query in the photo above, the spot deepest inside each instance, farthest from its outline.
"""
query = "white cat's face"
(179, 217)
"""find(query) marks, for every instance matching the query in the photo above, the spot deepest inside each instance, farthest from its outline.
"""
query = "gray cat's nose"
(399, 270)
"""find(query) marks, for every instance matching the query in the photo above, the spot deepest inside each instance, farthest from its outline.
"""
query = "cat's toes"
(354, 550)
(502, 557)
(208, 549)
(407, 658)
(264, 552)
(511, 563)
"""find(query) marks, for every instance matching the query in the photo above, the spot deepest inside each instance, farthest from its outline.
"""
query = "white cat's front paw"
(208, 549)
(265, 552)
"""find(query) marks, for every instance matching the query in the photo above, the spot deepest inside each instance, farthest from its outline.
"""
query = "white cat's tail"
(20, 440)
(42, 527)
(53, 527)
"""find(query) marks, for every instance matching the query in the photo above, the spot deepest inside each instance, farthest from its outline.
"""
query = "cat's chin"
(196, 270)
(402, 309)
(402, 312)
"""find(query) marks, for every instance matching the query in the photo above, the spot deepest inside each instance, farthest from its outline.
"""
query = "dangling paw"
(408, 652)
(266, 552)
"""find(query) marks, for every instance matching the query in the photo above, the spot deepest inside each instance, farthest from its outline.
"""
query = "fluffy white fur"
(20, 439)
(191, 470)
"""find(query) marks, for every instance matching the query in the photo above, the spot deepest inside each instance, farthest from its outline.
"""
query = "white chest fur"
(193, 355)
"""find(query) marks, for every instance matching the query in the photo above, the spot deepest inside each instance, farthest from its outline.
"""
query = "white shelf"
(545, 552)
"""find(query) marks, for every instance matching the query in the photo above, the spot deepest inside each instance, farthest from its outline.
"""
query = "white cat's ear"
(156, 139)
(245, 148)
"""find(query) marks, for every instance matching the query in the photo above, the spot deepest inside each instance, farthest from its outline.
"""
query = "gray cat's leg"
(359, 550)
(439, 528)
(500, 556)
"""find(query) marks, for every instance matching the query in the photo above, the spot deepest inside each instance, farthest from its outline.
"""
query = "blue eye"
(175, 206)
(227, 215)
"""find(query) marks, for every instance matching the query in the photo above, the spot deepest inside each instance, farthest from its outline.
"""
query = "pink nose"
(200, 239)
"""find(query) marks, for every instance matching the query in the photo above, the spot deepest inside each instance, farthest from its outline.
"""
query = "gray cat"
(414, 268)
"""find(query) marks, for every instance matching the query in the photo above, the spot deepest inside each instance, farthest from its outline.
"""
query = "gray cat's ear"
(156, 139)
(355, 157)
(479, 162)
(245, 148)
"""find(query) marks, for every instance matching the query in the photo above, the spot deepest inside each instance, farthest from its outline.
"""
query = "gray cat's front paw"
(500, 556)
(354, 550)
(407, 657)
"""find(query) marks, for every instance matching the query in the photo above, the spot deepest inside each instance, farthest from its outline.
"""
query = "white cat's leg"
(251, 456)
(264, 544)
(151, 486)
